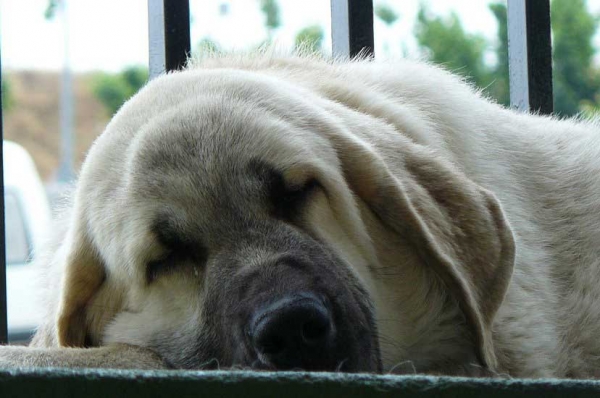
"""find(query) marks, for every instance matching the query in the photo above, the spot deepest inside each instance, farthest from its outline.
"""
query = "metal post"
(3, 313)
(530, 55)
(169, 35)
(67, 105)
(352, 28)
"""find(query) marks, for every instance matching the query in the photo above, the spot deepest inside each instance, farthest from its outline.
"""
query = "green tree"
(207, 45)
(310, 38)
(270, 9)
(575, 78)
(446, 42)
(576, 81)
(114, 89)
(51, 7)
(389, 17)
(385, 13)
(7, 95)
(499, 88)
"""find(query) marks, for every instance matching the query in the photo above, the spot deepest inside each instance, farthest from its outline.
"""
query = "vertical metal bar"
(156, 38)
(530, 55)
(539, 53)
(352, 28)
(517, 55)
(67, 105)
(3, 313)
(169, 35)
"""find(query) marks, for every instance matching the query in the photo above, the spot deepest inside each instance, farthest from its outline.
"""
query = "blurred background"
(68, 65)
(104, 45)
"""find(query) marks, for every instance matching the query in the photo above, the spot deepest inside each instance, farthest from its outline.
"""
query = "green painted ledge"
(90, 383)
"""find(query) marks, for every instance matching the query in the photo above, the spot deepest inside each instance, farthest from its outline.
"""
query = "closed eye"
(173, 261)
(285, 199)
(295, 194)
(160, 266)
(180, 250)
(289, 201)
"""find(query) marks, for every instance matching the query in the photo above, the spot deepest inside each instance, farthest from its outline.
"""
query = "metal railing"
(168, 35)
(3, 317)
(352, 28)
(530, 55)
(530, 61)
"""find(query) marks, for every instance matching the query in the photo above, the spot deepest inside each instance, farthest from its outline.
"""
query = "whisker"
(489, 371)
(401, 364)
(209, 362)
(340, 365)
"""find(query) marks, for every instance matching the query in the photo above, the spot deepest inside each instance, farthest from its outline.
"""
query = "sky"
(112, 34)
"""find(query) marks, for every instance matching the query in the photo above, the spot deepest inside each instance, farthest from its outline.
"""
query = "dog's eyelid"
(171, 258)
(165, 253)
(181, 254)
(175, 242)
(153, 269)
(303, 188)
(294, 196)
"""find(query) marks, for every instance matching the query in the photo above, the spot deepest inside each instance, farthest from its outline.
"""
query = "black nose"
(294, 332)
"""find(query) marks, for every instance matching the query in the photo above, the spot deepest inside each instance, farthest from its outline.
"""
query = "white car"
(28, 217)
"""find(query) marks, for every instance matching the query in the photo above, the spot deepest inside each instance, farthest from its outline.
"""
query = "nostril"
(271, 345)
(315, 331)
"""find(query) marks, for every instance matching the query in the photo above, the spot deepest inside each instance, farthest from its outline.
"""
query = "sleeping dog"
(282, 213)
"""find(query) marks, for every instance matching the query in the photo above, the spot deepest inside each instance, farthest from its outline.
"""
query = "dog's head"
(225, 219)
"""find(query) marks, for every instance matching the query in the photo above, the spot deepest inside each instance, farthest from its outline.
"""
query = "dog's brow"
(165, 231)
(264, 171)
(285, 199)
(173, 238)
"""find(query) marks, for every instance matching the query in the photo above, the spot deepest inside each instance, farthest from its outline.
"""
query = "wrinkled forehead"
(213, 138)
(218, 120)
(215, 151)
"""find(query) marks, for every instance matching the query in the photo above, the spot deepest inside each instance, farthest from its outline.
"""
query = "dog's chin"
(341, 367)
(366, 364)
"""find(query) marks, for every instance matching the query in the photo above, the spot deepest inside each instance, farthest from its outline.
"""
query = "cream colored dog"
(284, 213)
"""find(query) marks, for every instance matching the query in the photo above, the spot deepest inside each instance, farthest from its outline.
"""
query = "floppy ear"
(457, 227)
(83, 274)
